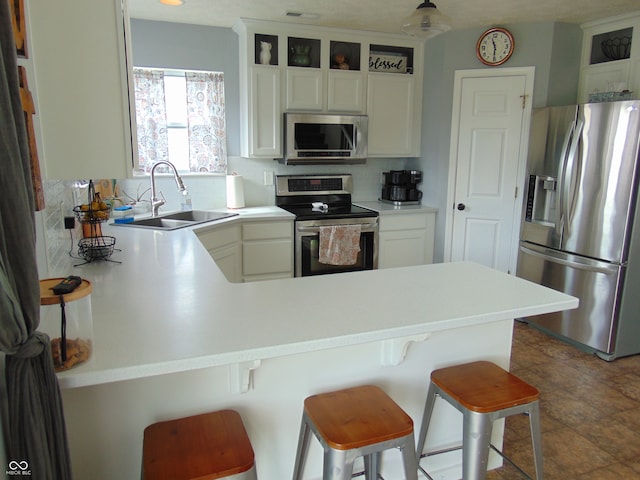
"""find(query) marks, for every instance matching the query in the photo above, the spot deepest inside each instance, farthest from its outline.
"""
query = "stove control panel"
(313, 184)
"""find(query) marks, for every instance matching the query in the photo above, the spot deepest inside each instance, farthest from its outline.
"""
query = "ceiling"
(379, 15)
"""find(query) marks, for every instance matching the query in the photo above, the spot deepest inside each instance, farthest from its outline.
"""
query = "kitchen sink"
(173, 221)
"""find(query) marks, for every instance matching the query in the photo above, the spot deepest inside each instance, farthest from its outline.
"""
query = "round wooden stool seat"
(205, 447)
(355, 422)
(484, 387)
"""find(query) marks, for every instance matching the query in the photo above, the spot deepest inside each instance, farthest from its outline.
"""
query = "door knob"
(461, 206)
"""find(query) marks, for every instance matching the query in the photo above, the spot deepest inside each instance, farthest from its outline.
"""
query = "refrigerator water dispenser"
(541, 200)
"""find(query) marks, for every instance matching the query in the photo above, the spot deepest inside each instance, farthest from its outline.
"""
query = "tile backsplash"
(58, 242)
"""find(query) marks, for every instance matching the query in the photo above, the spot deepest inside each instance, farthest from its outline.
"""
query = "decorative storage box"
(68, 322)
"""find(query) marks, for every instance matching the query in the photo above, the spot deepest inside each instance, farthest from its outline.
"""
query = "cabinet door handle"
(461, 206)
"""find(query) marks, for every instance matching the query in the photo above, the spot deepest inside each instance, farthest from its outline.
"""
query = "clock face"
(495, 46)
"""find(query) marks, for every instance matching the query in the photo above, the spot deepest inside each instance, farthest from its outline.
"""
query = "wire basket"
(96, 248)
(95, 210)
(96, 214)
(616, 48)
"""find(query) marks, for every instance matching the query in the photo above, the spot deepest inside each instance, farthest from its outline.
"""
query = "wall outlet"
(268, 179)
(69, 223)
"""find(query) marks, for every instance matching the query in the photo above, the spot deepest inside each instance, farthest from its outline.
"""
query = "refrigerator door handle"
(599, 267)
(568, 181)
(562, 166)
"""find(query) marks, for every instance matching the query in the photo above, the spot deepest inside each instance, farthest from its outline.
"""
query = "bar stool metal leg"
(409, 459)
(536, 438)
(371, 466)
(303, 446)
(338, 464)
(476, 438)
(426, 419)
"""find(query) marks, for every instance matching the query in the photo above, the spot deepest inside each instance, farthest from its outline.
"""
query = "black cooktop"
(307, 212)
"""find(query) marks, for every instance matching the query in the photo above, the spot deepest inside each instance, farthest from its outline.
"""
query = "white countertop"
(384, 208)
(168, 308)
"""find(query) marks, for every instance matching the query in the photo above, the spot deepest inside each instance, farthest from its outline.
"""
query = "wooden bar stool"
(204, 447)
(355, 422)
(483, 392)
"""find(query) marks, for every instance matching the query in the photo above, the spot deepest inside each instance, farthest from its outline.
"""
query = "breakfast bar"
(172, 337)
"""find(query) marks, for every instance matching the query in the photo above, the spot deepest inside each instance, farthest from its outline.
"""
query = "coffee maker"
(400, 187)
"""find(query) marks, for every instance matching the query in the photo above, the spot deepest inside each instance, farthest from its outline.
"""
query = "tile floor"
(590, 412)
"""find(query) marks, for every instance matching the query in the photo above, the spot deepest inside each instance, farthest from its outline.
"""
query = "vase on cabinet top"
(265, 53)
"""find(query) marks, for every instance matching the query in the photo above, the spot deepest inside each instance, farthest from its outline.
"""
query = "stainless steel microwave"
(316, 139)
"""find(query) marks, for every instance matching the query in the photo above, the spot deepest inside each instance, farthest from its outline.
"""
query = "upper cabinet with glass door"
(287, 67)
(610, 63)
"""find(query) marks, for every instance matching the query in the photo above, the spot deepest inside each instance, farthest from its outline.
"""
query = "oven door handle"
(364, 227)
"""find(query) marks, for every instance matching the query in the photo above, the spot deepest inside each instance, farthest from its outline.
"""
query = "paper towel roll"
(235, 191)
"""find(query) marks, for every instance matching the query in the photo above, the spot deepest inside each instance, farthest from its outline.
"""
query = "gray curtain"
(36, 423)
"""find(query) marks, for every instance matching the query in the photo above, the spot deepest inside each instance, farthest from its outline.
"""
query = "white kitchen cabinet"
(599, 78)
(228, 260)
(634, 77)
(252, 250)
(316, 90)
(223, 244)
(406, 239)
(77, 51)
(267, 250)
(391, 106)
(263, 121)
(600, 73)
(314, 81)
(305, 89)
(346, 92)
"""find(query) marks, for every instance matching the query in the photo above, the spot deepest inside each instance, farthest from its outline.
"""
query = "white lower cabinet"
(223, 244)
(251, 251)
(406, 239)
(267, 250)
(228, 260)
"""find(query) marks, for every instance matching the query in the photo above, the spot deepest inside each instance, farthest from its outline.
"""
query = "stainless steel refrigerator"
(581, 229)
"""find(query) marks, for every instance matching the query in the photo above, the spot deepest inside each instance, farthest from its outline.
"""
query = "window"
(180, 118)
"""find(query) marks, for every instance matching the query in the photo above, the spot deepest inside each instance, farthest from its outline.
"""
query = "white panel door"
(489, 140)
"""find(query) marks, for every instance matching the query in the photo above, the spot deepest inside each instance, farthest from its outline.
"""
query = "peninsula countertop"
(167, 307)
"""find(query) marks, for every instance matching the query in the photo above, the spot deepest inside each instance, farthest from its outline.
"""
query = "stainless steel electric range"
(318, 202)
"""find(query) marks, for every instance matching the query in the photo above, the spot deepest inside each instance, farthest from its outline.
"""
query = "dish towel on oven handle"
(339, 244)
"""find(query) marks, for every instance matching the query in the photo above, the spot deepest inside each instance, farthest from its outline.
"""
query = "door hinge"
(516, 193)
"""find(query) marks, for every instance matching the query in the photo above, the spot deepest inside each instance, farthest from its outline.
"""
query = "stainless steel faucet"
(156, 202)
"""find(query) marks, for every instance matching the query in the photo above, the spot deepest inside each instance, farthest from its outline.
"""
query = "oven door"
(307, 243)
